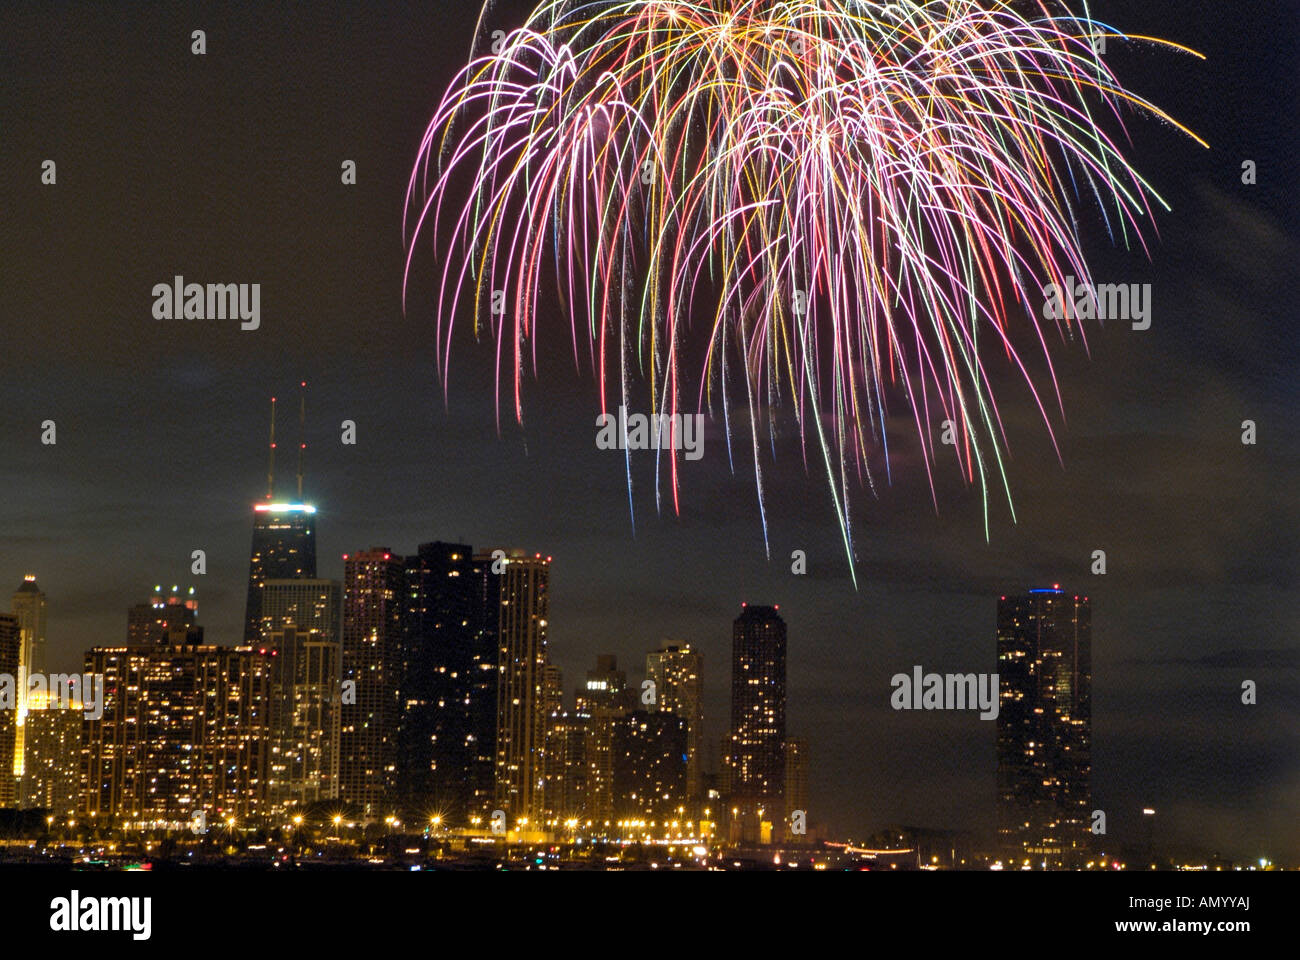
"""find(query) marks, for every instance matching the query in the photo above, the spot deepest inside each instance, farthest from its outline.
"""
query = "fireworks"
(851, 202)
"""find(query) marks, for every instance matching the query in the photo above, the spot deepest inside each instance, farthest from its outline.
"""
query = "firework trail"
(848, 200)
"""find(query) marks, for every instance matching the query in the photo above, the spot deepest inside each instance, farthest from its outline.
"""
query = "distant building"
(1044, 727)
(284, 548)
(184, 731)
(29, 610)
(521, 662)
(677, 672)
(601, 701)
(10, 771)
(166, 618)
(53, 777)
(301, 633)
(649, 774)
(566, 767)
(796, 781)
(448, 686)
(756, 753)
(373, 605)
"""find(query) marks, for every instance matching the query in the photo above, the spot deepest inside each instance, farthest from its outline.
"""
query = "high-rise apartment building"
(599, 703)
(756, 752)
(521, 662)
(53, 768)
(677, 673)
(301, 633)
(448, 690)
(1044, 726)
(10, 643)
(373, 599)
(184, 731)
(29, 610)
(649, 774)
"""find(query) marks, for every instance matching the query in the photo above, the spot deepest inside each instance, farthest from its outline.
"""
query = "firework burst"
(851, 202)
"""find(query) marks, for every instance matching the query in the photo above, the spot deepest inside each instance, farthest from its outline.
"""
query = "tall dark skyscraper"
(284, 548)
(373, 605)
(756, 752)
(449, 681)
(1044, 727)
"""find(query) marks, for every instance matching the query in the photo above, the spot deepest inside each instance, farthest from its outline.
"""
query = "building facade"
(756, 750)
(1044, 727)
(521, 663)
(373, 604)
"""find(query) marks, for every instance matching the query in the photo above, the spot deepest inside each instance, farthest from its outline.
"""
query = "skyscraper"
(521, 661)
(756, 753)
(1044, 726)
(301, 633)
(184, 730)
(448, 690)
(10, 643)
(29, 610)
(679, 689)
(373, 588)
(649, 773)
(796, 781)
(284, 548)
(53, 766)
(599, 703)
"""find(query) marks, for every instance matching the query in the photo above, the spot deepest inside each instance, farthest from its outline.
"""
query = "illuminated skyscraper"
(29, 609)
(372, 661)
(184, 730)
(10, 643)
(679, 689)
(566, 766)
(600, 702)
(521, 662)
(1044, 726)
(284, 548)
(301, 633)
(756, 753)
(53, 768)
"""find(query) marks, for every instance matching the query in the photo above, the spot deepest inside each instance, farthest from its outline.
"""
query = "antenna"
(270, 469)
(302, 416)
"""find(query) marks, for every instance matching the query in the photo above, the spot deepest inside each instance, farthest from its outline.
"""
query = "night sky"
(226, 168)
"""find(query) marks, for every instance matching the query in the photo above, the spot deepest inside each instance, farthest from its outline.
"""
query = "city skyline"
(162, 423)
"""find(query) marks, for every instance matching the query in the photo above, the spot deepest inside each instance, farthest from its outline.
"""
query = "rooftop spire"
(270, 469)
(302, 416)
